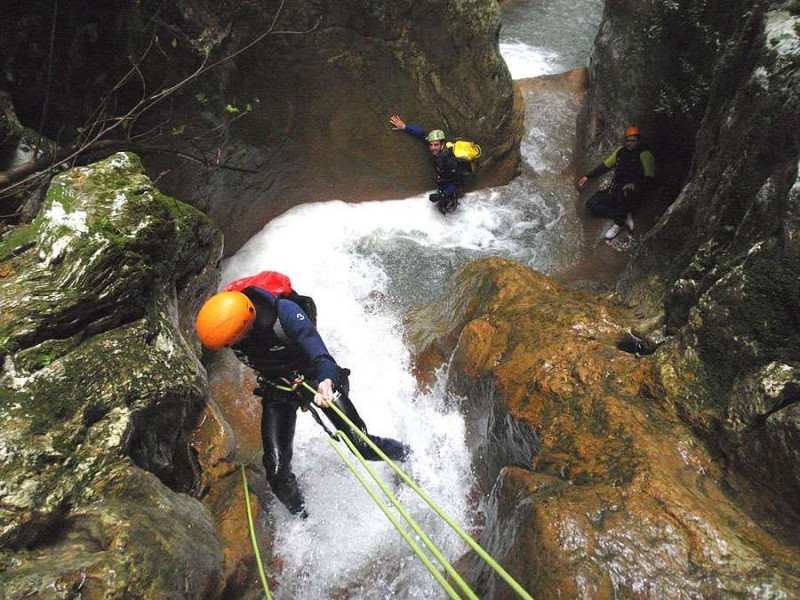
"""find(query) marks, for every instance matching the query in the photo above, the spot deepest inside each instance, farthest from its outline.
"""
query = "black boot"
(392, 448)
(288, 492)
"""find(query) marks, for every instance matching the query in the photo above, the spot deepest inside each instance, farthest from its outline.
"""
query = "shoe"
(392, 448)
(612, 232)
(288, 492)
(448, 204)
(629, 222)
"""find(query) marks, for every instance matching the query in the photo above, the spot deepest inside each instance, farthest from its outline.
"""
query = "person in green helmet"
(449, 182)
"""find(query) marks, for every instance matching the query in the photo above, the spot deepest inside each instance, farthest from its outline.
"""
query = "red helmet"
(631, 131)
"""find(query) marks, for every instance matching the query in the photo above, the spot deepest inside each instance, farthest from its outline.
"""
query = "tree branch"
(101, 125)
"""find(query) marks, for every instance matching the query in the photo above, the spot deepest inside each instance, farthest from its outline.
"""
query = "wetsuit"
(635, 166)
(282, 343)
(449, 181)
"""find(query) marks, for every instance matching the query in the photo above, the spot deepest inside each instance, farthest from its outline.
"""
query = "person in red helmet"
(634, 175)
(272, 329)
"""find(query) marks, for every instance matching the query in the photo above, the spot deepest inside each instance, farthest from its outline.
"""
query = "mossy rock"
(101, 382)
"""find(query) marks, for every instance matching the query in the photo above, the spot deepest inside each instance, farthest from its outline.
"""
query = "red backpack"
(279, 286)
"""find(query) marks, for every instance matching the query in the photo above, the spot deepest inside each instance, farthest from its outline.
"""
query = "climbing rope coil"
(434, 550)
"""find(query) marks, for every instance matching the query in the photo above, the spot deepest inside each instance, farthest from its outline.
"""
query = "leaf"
(201, 98)
(176, 131)
(174, 43)
(232, 109)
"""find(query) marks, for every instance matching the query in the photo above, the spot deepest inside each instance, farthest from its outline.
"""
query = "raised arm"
(399, 125)
(298, 327)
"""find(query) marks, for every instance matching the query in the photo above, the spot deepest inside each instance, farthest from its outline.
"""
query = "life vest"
(277, 284)
(629, 165)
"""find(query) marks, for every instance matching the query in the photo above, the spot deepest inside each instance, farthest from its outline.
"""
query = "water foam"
(525, 61)
(347, 541)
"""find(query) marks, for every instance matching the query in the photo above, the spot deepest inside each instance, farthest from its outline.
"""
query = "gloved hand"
(436, 197)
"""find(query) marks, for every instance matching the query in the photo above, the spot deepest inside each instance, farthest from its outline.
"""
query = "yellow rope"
(261, 572)
(436, 508)
(397, 525)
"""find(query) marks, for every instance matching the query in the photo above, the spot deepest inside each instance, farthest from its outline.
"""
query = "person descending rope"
(272, 329)
(450, 174)
(634, 175)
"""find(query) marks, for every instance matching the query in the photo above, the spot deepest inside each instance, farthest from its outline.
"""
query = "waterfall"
(365, 264)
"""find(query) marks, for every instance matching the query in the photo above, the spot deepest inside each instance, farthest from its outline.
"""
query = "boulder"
(595, 488)
(320, 130)
(101, 385)
(719, 96)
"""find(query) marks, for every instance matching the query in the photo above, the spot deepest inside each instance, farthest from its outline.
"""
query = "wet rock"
(10, 127)
(738, 334)
(372, 60)
(721, 263)
(101, 384)
(301, 115)
(618, 498)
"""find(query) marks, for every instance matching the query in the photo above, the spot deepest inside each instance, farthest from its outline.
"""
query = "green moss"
(87, 338)
(37, 357)
(61, 191)
(17, 240)
(81, 378)
(9, 397)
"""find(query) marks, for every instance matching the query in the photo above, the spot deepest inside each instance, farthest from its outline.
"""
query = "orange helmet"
(632, 131)
(225, 319)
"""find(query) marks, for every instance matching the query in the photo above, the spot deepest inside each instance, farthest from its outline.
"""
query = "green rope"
(261, 572)
(414, 546)
(409, 519)
(447, 519)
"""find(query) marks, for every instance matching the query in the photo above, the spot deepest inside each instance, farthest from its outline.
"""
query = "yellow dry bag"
(464, 150)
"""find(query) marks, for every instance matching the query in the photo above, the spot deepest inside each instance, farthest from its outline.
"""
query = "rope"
(261, 572)
(408, 518)
(300, 381)
(397, 525)
(436, 508)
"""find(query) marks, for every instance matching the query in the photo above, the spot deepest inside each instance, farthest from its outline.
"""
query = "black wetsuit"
(449, 179)
(284, 342)
(630, 166)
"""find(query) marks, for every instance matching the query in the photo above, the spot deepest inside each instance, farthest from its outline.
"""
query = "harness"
(294, 386)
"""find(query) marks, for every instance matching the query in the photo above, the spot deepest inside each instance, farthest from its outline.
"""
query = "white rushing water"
(364, 264)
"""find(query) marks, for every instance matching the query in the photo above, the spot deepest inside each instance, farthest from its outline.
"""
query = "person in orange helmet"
(272, 329)
(634, 175)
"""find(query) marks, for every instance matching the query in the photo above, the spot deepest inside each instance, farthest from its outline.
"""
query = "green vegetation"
(690, 27)
(17, 240)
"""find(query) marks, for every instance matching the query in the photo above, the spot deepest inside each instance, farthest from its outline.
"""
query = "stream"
(366, 264)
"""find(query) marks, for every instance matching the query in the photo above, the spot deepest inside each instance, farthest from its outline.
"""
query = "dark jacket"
(284, 340)
(630, 166)
(448, 175)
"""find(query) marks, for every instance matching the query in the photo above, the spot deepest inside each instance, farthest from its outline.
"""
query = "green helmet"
(437, 135)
